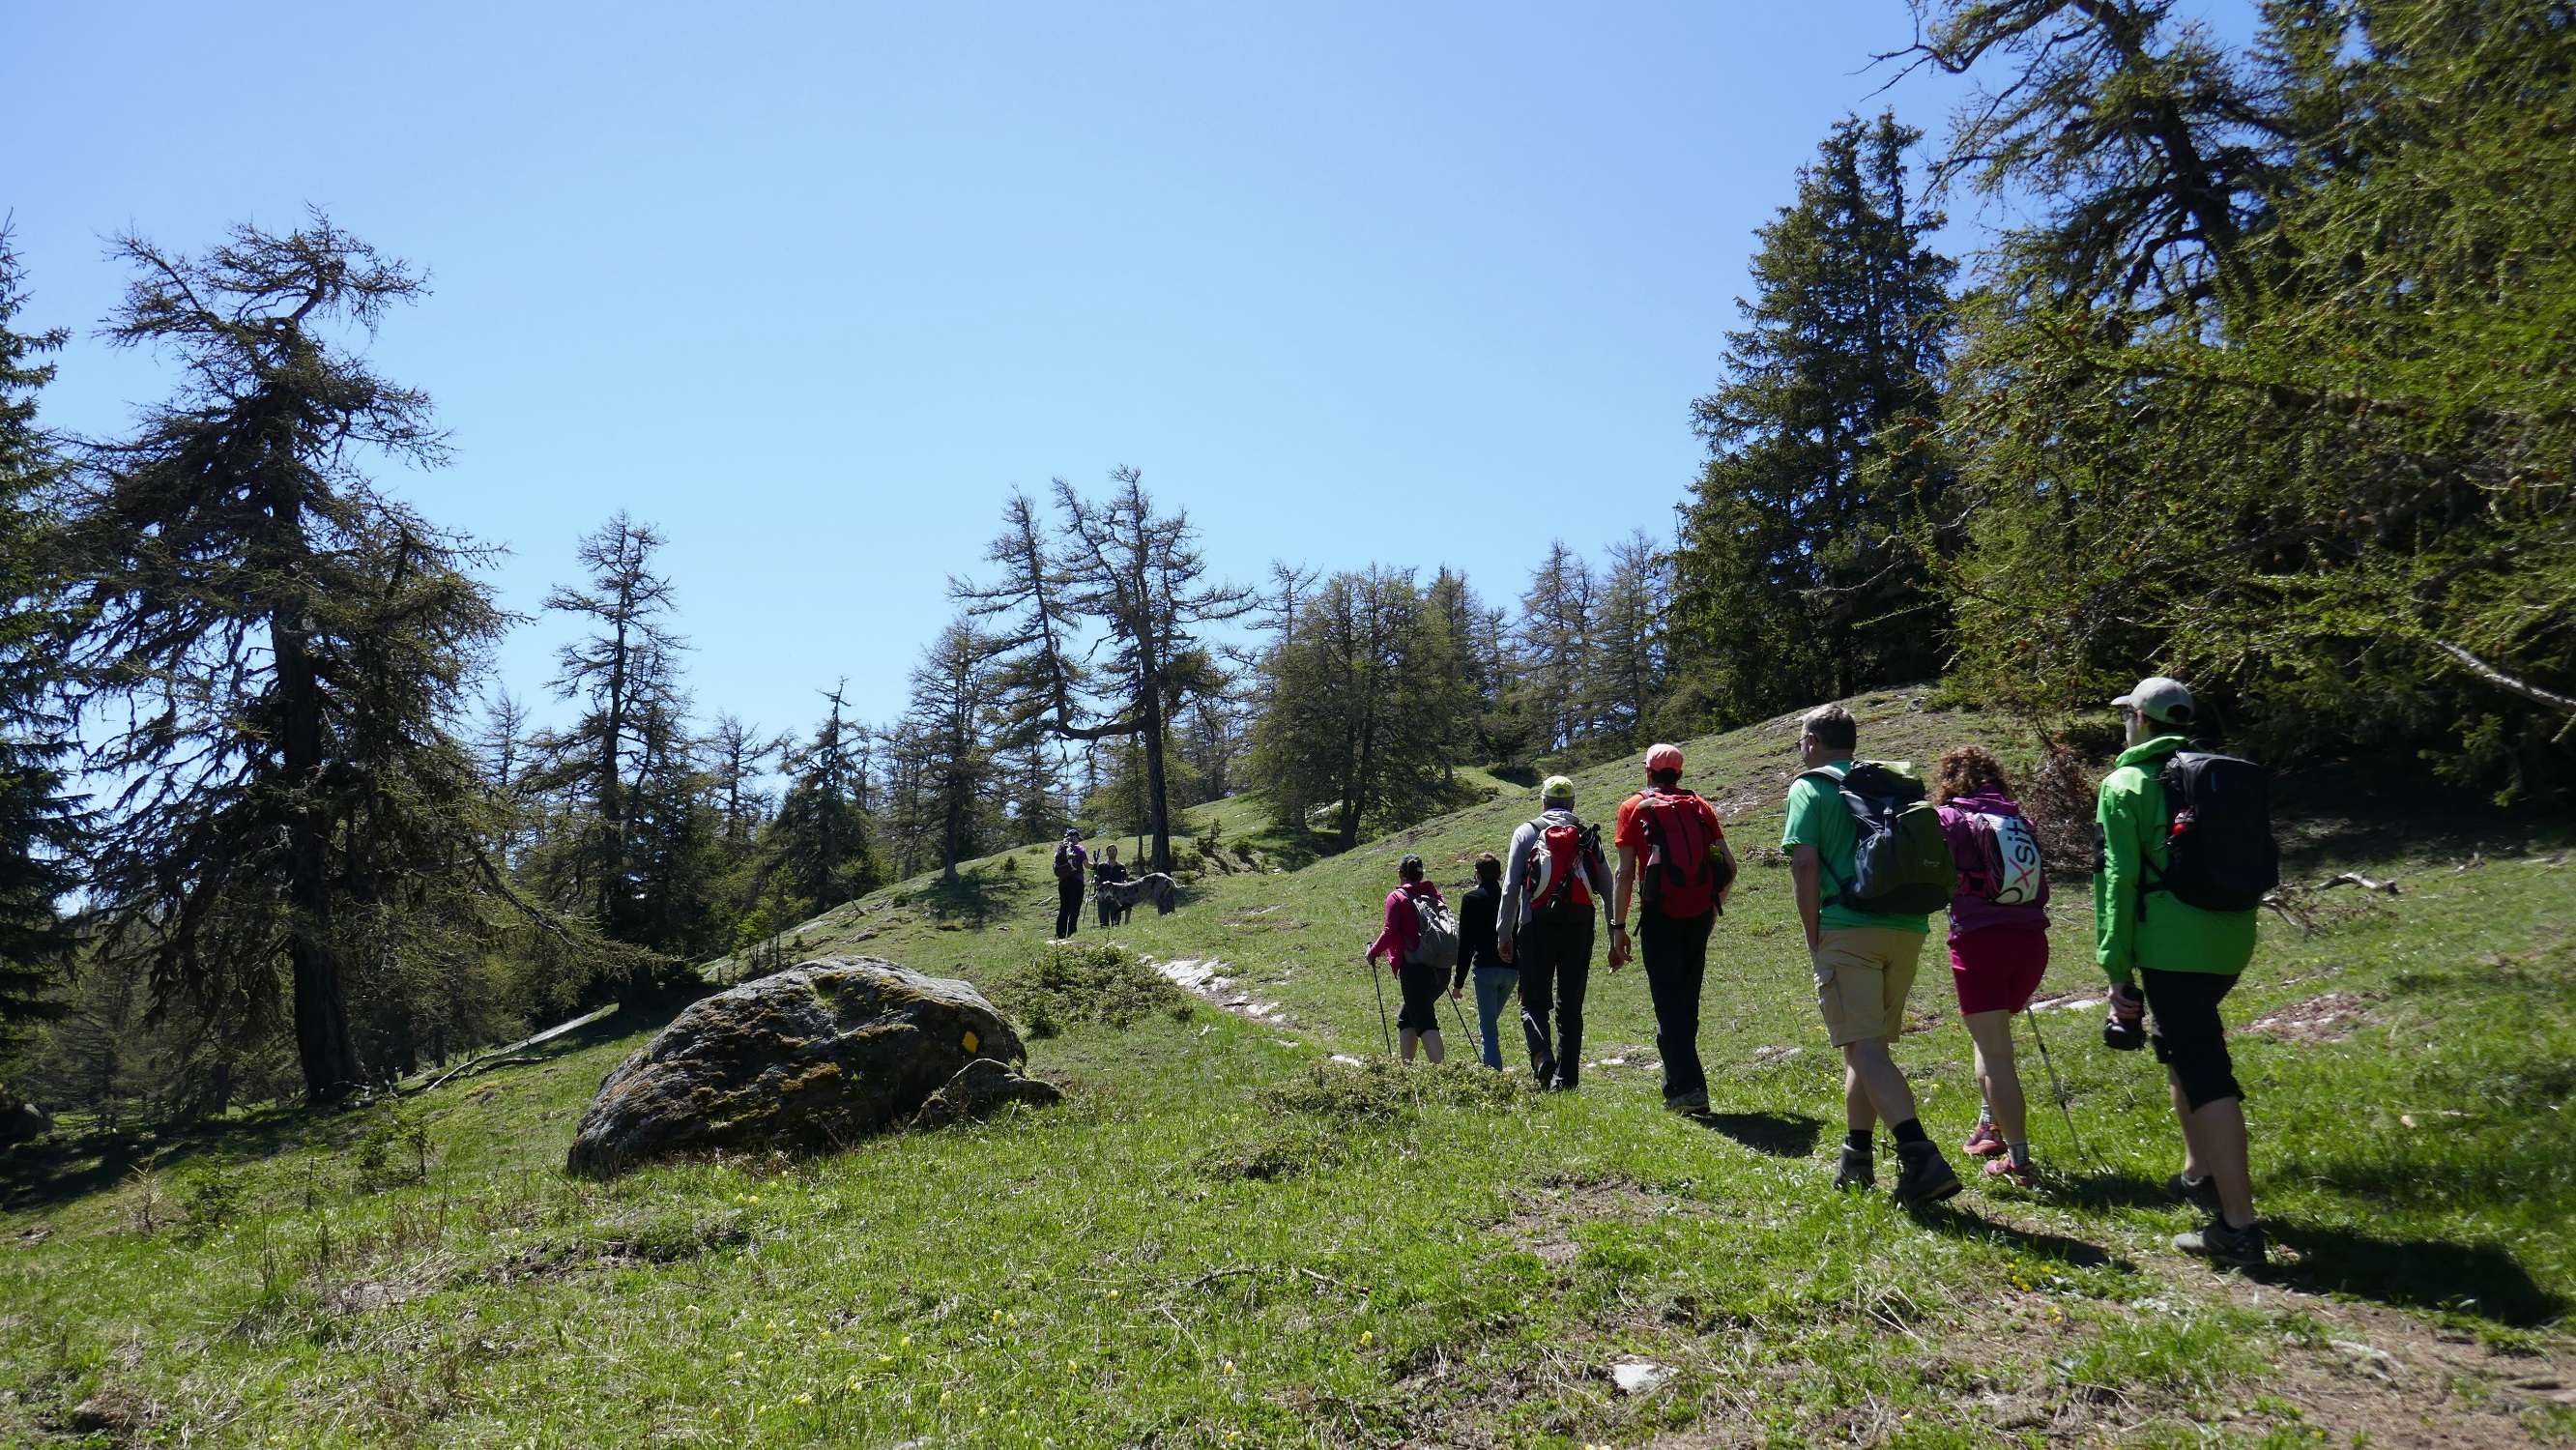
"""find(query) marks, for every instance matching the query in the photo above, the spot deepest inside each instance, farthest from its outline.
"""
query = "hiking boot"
(2228, 1248)
(1986, 1141)
(1858, 1170)
(1692, 1103)
(2018, 1174)
(2200, 1193)
(1922, 1174)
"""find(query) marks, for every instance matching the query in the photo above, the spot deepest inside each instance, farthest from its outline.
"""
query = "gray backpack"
(1438, 946)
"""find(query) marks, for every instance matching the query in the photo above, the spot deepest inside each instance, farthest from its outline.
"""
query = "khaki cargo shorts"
(1863, 974)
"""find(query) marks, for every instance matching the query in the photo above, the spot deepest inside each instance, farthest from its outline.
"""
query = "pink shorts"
(1996, 969)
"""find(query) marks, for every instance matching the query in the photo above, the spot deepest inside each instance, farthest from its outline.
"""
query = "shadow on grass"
(2474, 1279)
(1782, 1135)
(1949, 1218)
(972, 897)
(2104, 1188)
(59, 1168)
(1294, 850)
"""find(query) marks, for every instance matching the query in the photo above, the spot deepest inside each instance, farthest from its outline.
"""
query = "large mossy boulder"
(817, 1056)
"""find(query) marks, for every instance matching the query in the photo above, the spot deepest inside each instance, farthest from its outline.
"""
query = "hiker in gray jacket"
(1552, 879)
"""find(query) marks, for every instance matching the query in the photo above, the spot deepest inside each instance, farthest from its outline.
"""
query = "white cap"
(2163, 700)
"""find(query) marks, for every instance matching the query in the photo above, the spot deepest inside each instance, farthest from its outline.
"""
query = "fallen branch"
(2503, 681)
(502, 1056)
(2355, 878)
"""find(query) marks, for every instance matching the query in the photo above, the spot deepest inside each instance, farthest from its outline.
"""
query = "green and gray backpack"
(1901, 862)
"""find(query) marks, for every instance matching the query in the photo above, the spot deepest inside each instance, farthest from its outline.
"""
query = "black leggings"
(2187, 1035)
(1068, 907)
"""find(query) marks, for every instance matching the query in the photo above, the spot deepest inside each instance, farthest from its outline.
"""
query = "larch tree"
(2274, 393)
(1363, 707)
(625, 674)
(1102, 617)
(273, 650)
(817, 849)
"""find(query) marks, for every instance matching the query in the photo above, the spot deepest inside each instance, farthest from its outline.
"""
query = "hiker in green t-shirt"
(1864, 966)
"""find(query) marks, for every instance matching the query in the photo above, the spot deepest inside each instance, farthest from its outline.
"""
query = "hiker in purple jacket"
(1998, 942)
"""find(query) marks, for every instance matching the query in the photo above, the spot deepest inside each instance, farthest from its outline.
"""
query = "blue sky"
(813, 287)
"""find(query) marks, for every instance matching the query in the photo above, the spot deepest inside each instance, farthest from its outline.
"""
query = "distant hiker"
(1998, 941)
(1497, 981)
(1106, 873)
(1553, 877)
(1071, 862)
(1869, 864)
(2187, 855)
(1420, 941)
(1671, 844)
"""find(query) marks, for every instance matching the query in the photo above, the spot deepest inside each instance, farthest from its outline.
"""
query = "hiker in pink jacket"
(1998, 941)
(1421, 982)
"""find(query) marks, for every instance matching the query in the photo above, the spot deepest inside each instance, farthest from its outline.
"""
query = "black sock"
(1857, 1140)
(1910, 1131)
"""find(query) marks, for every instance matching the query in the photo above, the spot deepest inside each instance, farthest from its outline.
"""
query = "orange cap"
(1664, 757)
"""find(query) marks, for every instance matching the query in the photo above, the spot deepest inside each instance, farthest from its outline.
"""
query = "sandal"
(1985, 1142)
(2019, 1175)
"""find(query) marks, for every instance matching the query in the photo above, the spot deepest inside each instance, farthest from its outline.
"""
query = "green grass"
(1222, 1237)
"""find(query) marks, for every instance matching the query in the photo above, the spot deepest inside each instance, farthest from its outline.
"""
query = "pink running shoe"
(2019, 1175)
(1985, 1142)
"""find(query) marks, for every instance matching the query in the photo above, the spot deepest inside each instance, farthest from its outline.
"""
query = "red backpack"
(1684, 870)
(1564, 888)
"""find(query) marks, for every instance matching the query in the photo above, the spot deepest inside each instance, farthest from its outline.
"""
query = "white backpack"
(2019, 878)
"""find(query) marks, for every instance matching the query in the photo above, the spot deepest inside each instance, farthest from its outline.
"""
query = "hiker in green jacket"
(2185, 959)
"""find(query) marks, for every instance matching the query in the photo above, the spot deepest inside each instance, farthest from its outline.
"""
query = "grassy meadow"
(1226, 1237)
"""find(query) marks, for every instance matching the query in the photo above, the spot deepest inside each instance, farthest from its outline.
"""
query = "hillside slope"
(1224, 1238)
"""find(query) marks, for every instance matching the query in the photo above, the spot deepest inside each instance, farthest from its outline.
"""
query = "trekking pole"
(1463, 1034)
(2057, 1086)
(1380, 984)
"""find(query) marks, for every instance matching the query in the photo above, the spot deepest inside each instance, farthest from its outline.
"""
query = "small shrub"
(1104, 984)
(1274, 1152)
(209, 1197)
(1381, 1090)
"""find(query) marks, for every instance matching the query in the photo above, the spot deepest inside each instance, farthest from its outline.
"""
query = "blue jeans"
(1495, 989)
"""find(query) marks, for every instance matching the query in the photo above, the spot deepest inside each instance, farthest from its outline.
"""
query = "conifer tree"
(1133, 573)
(951, 718)
(39, 826)
(1555, 639)
(1796, 576)
(625, 673)
(2272, 393)
(292, 644)
(1361, 707)
(817, 849)
(1627, 665)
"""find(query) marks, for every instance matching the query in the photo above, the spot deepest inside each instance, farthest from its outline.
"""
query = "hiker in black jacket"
(1103, 872)
(1497, 981)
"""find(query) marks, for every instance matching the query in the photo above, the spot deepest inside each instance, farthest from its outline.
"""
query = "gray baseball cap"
(2161, 699)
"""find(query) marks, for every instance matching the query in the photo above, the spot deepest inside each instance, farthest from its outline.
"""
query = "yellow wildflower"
(805, 1399)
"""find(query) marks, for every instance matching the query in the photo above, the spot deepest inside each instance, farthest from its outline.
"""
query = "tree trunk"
(323, 1046)
(1157, 799)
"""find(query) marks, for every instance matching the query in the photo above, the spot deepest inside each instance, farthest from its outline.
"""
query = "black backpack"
(1901, 860)
(2219, 851)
